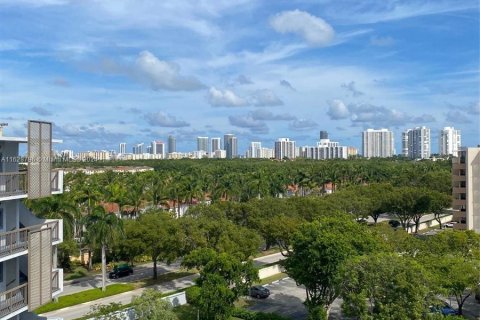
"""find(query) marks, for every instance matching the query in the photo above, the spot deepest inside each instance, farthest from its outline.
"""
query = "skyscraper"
(377, 143)
(285, 148)
(255, 150)
(450, 141)
(417, 142)
(215, 144)
(230, 146)
(202, 144)
(123, 148)
(158, 147)
(138, 149)
(172, 144)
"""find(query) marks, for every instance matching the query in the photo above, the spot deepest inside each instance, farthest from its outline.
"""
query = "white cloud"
(248, 122)
(265, 98)
(161, 119)
(262, 114)
(313, 29)
(302, 124)
(475, 108)
(337, 110)
(225, 98)
(286, 84)
(41, 111)
(162, 75)
(351, 87)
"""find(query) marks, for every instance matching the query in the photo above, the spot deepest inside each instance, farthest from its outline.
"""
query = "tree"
(458, 277)
(151, 306)
(320, 248)
(223, 279)
(102, 229)
(438, 203)
(385, 286)
(158, 231)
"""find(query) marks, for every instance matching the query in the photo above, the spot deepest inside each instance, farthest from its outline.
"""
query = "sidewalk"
(81, 310)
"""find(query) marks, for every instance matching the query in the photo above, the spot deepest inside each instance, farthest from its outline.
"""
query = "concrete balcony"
(456, 178)
(13, 302)
(458, 165)
(459, 190)
(57, 282)
(15, 243)
(14, 185)
(457, 203)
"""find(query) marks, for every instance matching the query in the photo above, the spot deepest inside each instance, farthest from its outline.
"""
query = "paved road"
(146, 271)
(286, 299)
(83, 309)
(140, 272)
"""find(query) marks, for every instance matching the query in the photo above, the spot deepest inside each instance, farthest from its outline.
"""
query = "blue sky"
(108, 71)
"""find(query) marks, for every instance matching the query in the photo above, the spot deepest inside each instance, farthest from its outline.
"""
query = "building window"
(1, 218)
(1, 271)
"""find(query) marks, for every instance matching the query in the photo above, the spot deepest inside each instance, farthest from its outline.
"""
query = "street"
(287, 299)
(145, 271)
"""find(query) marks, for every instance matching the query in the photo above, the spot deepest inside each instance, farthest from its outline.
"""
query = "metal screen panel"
(39, 268)
(39, 159)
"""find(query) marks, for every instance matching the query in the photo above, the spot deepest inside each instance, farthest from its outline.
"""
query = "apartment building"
(466, 189)
(377, 143)
(29, 276)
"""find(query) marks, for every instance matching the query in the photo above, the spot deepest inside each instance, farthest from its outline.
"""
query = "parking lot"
(286, 299)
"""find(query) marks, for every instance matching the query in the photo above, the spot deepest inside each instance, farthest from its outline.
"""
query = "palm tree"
(102, 229)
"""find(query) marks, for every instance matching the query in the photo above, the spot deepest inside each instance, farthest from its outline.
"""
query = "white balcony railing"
(16, 241)
(16, 183)
(13, 183)
(13, 300)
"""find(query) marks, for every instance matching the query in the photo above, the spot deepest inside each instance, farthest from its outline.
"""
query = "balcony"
(457, 203)
(14, 185)
(457, 177)
(13, 300)
(459, 190)
(16, 242)
(57, 282)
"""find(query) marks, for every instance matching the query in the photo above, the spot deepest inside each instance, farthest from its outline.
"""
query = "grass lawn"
(113, 289)
(85, 296)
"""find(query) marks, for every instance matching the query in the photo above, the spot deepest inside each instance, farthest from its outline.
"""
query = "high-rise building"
(230, 145)
(202, 144)
(325, 149)
(158, 147)
(418, 142)
(138, 148)
(122, 148)
(215, 144)
(450, 141)
(285, 148)
(255, 150)
(29, 275)
(172, 144)
(405, 143)
(377, 143)
(466, 189)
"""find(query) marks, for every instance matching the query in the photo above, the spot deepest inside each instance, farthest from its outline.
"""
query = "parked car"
(259, 292)
(445, 309)
(120, 271)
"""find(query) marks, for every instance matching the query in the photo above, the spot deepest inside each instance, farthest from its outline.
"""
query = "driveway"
(286, 298)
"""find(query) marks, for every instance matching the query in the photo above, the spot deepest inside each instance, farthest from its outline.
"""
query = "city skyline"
(259, 71)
